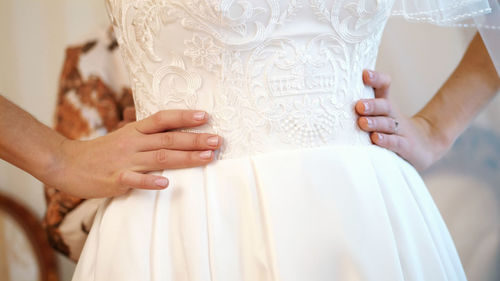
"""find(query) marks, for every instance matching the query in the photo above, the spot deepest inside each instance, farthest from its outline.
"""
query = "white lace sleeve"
(482, 14)
(441, 12)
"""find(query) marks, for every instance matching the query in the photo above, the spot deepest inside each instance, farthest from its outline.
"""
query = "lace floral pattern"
(268, 77)
(203, 52)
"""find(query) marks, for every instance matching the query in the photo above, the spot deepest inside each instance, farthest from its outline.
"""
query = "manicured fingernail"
(213, 141)
(369, 122)
(163, 182)
(380, 137)
(366, 107)
(198, 116)
(371, 75)
(206, 154)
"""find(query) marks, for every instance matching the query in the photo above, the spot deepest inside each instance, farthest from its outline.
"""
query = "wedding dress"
(297, 192)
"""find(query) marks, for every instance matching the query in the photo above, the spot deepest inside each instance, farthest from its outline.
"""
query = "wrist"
(57, 163)
(437, 140)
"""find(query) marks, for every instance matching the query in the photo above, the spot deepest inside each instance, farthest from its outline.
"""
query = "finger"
(121, 124)
(129, 114)
(385, 125)
(374, 107)
(379, 81)
(129, 179)
(394, 143)
(170, 159)
(171, 119)
(181, 141)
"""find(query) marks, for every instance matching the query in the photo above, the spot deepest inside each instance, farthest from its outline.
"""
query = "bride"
(297, 191)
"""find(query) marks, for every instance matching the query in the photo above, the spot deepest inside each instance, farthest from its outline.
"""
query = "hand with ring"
(411, 138)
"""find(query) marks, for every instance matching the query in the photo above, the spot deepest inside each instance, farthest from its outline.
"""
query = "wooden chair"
(31, 228)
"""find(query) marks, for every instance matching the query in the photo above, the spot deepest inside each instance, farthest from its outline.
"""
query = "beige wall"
(420, 57)
(35, 33)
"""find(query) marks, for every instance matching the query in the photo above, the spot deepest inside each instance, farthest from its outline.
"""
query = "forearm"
(470, 87)
(27, 143)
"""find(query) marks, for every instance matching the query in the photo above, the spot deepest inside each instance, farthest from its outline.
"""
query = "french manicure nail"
(369, 122)
(206, 154)
(366, 107)
(371, 75)
(198, 116)
(213, 141)
(163, 182)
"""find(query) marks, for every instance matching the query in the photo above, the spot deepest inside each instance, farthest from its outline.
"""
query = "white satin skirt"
(327, 213)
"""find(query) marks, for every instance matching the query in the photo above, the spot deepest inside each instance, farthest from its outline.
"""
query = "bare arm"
(426, 136)
(27, 143)
(109, 165)
(470, 87)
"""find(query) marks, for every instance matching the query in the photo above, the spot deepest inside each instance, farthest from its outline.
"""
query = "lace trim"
(264, 92)
(458, 11)
(441, 21)
(451, 6)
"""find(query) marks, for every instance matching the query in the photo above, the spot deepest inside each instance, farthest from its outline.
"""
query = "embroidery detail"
(265, 79)
(203, 52)
(181, 85)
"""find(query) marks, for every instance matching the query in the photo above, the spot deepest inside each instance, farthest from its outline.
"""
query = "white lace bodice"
(272, 74)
